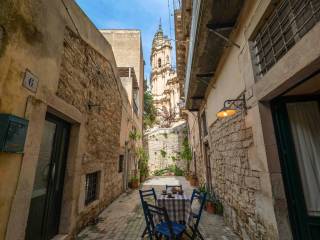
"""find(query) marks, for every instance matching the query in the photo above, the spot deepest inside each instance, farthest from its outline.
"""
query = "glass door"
(44, 212)
(297, 122)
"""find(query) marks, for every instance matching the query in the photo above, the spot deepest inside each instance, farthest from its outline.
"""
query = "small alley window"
(159, 62)
(121, 160)
(91, 190)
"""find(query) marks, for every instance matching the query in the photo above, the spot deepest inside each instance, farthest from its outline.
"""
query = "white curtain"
(305, 126)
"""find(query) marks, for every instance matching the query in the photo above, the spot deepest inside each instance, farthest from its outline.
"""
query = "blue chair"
(170, 230)
(145, 195)
(197, 216)
(168, 187)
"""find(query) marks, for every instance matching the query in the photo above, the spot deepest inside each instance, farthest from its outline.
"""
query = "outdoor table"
(178, 208)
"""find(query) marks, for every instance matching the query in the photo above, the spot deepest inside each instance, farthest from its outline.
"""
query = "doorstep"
(60, 237)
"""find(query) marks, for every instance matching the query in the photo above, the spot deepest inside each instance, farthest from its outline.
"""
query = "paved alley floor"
(124, 219)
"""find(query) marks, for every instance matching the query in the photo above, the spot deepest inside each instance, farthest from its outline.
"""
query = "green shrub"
(170, 169)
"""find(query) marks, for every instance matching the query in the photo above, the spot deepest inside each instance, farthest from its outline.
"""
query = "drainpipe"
(196, 10)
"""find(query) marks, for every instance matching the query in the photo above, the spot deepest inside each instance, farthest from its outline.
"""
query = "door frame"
(290, 170)
(61, 164)
(61, 124)
(206, 150)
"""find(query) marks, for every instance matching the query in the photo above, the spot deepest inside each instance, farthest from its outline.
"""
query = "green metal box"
(13, 131)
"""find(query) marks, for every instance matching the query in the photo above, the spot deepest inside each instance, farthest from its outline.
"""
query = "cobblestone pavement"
(124, 219)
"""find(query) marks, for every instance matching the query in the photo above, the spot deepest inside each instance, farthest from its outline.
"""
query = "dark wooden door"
(208, 167)
(297, 124)
(45, 208)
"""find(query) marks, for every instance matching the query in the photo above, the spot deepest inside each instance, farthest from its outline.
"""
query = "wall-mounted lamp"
(231, 107)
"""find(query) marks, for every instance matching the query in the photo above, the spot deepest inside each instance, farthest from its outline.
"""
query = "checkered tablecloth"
(178, 208)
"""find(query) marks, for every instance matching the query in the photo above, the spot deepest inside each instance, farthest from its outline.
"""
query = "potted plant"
(143, 163)
(202, 189)
(134, 182)
(218, 207)
(210, 204)
(194, 180)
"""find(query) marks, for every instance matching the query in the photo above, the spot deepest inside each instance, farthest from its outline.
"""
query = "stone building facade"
(95, 84)
(59, 73)
(127, 48)
(256, 160)
(167, 141)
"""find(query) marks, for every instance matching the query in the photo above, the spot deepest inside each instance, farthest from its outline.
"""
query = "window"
(287, 24)
(91, 189)
(159, 62)
(121, 158)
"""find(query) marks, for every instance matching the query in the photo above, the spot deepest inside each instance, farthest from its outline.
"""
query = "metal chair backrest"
(152, 212)
(145, 194)
(174, 186)
(202, 198)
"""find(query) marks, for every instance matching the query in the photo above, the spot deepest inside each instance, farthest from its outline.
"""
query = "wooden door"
(208, 167)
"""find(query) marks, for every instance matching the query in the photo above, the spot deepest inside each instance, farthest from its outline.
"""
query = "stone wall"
(87, 78)
(168, 139)
(232, 179)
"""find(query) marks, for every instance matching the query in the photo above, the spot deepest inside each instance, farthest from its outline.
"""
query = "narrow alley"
(124, 219)
(103, 101)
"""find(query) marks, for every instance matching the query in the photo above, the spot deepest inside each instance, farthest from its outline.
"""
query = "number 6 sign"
(30, 81)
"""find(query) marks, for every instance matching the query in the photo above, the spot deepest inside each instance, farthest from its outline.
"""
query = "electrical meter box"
(13, 131)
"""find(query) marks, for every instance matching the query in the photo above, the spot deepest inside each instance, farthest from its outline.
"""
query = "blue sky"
(131, 14)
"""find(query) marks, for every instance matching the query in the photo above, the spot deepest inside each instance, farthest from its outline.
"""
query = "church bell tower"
(160, 62)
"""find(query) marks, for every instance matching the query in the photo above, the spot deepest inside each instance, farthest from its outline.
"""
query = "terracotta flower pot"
(210, 208)
(194, 181)
(135, 183)
(142, 178)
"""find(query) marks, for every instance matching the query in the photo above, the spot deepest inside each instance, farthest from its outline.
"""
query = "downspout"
(196, 10)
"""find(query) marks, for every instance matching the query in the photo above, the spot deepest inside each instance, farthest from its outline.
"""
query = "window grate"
(91, 187)
(288, 23)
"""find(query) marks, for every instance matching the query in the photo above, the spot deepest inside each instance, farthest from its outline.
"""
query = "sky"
(132, 14)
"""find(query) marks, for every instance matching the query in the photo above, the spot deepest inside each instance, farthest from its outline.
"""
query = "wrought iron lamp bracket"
(236, 103)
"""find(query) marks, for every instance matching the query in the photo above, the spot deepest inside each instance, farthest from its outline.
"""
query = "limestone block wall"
(197, 165)
(168, 139)
(87, 77)
(235, 183)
